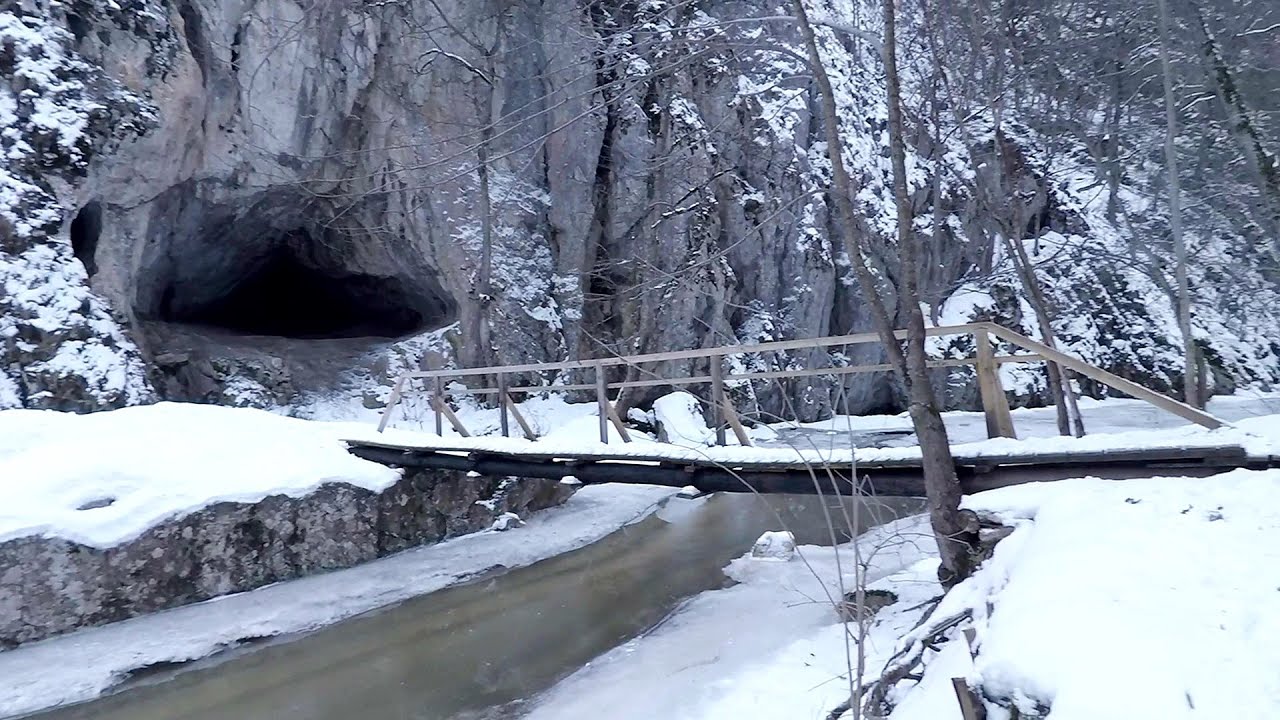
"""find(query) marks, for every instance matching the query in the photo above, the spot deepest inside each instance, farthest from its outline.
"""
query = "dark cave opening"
(85, 229)
(302, 283)
(284, 297)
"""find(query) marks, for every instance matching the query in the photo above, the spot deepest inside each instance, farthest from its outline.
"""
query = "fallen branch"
(902, 665)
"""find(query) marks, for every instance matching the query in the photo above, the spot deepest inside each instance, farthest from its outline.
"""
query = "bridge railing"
(995, 403)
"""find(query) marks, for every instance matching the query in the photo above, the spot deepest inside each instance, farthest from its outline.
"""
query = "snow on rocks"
(507, 521)
(679, 416)
(158, 462)
(774, 546)
(60, 346)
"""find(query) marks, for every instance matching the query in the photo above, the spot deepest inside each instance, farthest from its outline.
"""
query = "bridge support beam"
(995, 405)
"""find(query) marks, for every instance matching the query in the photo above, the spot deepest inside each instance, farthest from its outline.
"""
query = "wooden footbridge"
(773, 469)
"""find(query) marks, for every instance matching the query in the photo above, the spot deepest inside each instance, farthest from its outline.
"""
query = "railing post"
(995, 406)
(524, 424)
(602, 400)
(437, 399)
(717, 398)
(503, 421)
(391, 403)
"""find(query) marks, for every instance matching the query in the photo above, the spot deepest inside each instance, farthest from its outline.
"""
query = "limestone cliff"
(196, 186)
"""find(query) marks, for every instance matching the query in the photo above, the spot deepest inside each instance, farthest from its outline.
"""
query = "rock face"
(51, 585)
(546, 174)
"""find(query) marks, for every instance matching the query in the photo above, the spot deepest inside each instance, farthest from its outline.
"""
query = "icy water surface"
(475, 651)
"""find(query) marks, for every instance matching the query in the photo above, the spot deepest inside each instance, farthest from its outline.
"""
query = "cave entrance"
(264, 275)
(282, 295)
(85, 229)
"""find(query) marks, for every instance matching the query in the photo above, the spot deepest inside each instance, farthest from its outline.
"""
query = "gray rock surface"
(314, 170)
(50, 585)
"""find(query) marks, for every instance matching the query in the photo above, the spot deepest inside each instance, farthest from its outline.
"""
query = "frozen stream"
(480, 650)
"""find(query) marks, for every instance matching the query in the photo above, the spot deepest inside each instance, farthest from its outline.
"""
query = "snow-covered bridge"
(737, 463)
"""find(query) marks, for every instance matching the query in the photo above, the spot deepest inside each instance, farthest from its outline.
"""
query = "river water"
(480, 650)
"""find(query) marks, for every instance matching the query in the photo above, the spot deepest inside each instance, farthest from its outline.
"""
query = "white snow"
(157, 462)
(679, 415)
(81, 665)
(1171, 576)
(1152, 598)
(776, 545)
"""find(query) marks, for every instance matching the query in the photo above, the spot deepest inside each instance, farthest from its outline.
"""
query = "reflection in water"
(457, 652)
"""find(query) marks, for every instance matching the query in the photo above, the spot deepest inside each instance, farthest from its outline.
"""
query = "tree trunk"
(1064, 399)
(1190, 383)
(1240, 123)
(941, 484)
(1060, 391)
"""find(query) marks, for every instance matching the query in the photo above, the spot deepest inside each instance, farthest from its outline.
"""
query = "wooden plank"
(443, 408)
(1225, 454)
(438, 397)
(995, 405)
(1128, 387)
(776, 346)
(504, 421)
(717, 397)
(902, 482)
(392, 400)
(617, 422)
(602, 403)
(524, 425)
(731, 414)
(816, 372)
(970, 707)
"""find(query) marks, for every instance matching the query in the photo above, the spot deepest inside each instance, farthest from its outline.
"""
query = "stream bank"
(486, 648)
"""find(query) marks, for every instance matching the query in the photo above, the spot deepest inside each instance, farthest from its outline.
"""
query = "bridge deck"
(880, 473)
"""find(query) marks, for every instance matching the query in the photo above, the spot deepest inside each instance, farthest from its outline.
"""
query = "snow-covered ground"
(1100, 417)
(81, 665)
(1151, 599)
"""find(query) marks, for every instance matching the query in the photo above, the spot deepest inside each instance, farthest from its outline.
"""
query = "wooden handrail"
(776, 346)
(763, 375)
(999, 422)
(1164, 402)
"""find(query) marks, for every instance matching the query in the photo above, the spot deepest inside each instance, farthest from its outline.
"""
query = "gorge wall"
(196, 186)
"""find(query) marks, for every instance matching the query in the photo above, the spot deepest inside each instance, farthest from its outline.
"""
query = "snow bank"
(1151, 598)
(139, 466)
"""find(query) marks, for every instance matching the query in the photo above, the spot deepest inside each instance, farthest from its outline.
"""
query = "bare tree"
(941, 482)
(1190, 382)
